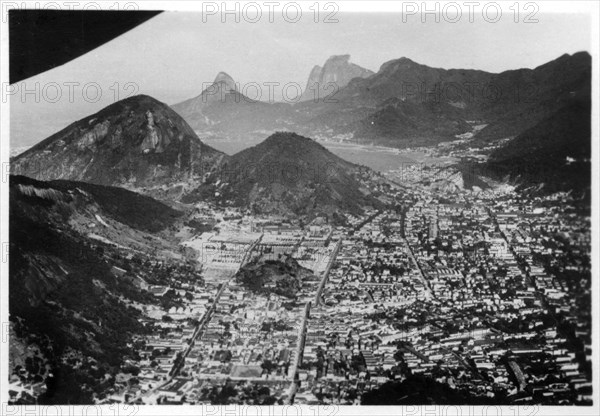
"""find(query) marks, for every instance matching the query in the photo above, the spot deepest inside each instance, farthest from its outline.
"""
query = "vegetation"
(282, 277)
(419, 390)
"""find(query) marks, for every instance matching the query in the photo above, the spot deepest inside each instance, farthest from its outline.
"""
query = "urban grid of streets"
(486, 292)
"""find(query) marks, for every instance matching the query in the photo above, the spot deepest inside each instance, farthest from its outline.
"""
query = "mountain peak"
(287, 138)
(225, 78)
(289, 173)
(400, 62)
(137, 142)
(338, 58)
(338, 70)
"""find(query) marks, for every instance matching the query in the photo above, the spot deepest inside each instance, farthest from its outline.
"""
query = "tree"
(131, 369)
(268, 366)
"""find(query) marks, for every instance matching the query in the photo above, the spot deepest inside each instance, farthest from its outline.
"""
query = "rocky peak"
(224, 79)
(338, 70)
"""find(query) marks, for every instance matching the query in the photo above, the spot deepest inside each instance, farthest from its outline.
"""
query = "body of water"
(375, 157)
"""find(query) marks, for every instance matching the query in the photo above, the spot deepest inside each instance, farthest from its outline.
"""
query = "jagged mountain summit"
(408, 104)
(403, 104)
(137, 143)
(291, 174)
(222, 110)
(336, 73)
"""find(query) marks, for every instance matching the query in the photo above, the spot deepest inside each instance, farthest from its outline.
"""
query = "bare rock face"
(335, 74)
(340, 70)
(89, 139)
(313, 79)
(153, 142)
(138, 143)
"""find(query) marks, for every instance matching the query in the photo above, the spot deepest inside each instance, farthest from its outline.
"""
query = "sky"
(174, 55)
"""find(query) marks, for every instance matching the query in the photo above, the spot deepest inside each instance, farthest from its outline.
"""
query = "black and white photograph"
(299, 208)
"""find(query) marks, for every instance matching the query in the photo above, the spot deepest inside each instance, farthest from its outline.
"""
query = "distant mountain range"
(404, 104)
(142, 144)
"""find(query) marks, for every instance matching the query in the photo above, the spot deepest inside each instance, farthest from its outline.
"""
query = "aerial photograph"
(309, 204)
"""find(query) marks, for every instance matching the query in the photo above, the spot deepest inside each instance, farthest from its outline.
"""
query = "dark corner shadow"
(40, 40)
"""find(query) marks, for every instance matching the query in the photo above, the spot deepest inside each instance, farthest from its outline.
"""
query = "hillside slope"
(291, 174)
(137, 143)
(555, 154)
(71, 326)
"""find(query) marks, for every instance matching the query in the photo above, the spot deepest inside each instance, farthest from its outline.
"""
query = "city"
(411, 230)
(484, 292)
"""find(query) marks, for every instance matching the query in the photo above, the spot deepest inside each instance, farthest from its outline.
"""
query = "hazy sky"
(172, 55)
